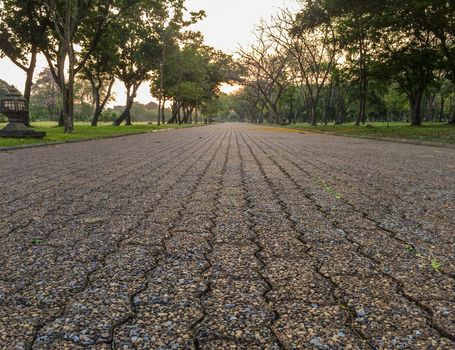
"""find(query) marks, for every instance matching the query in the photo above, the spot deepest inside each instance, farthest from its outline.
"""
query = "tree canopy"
(99, 42)
(345, 59)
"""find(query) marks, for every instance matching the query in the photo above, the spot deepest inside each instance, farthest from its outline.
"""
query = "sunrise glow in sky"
(228, 24)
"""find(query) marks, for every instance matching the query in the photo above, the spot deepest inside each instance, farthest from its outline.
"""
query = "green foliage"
(327, 188)
(45, 102)
(137, 50)
(22, 30)
(220, 108)
(90, 43)
(436, 265)
(395, 102)
(410, 249)
(408, 45)
(195, 72)
(4, 87)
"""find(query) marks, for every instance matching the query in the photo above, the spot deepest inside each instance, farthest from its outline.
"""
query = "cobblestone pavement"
(228, 237)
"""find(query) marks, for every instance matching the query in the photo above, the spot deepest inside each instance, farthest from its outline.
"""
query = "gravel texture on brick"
(228, 237)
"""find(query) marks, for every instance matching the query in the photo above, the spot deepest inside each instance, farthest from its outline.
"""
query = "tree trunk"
(126, 114)
(185, 115)
(261, 115)
(69, 118)
(60, 119)
(363, 82)
(275, 114)
(313, 116)
(163, 119)
(441, 109)
(291, 110)
(128, 118)
(338, 104)
(190, 115)
(362, 116)
(29, 83)
(452, 119)
(62, 85)
(179, 116)
(340, 110)
(416, 106)
(196, 114)
(96, 116)
(131, 91)
(99, 105)
(96, 99)
(159, 112)
(175, 108)
(67, 88)
(327, 106)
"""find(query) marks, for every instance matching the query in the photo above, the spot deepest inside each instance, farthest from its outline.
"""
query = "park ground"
(442, 133)
(228, 237)
(84, 131)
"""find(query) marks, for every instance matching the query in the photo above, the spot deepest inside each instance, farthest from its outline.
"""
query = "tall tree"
(77, 27)
(194, 75)
(354, 29)
(137, 51)
(313, 52)
(23, 27)
(267, 70)
(170, 34)
(46, 93)
(99, 71)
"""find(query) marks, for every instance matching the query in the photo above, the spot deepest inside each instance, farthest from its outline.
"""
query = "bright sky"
(228, 24)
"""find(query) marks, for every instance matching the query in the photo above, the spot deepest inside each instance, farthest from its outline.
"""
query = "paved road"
(228, 237)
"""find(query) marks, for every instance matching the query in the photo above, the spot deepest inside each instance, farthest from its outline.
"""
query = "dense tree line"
(352, 60)
(94, 43)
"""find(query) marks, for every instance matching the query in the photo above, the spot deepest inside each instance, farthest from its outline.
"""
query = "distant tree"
(249, 105)
(194, 75)
(355, 30)
(84, 105)
(46, 97)
(170, 34)
(313, 52)
(267, 67)
(4, 87)
(137, 51)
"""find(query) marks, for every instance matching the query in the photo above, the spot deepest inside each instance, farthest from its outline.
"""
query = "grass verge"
(429, 132)
(84, 131)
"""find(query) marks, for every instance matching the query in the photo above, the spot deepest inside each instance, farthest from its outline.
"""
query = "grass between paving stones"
(83, 131)
(429, 132)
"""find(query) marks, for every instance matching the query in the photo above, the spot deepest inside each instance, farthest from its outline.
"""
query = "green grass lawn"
(82, 131)
(434, 132)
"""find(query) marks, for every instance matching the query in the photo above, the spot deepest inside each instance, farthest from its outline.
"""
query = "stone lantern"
(15, 108)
